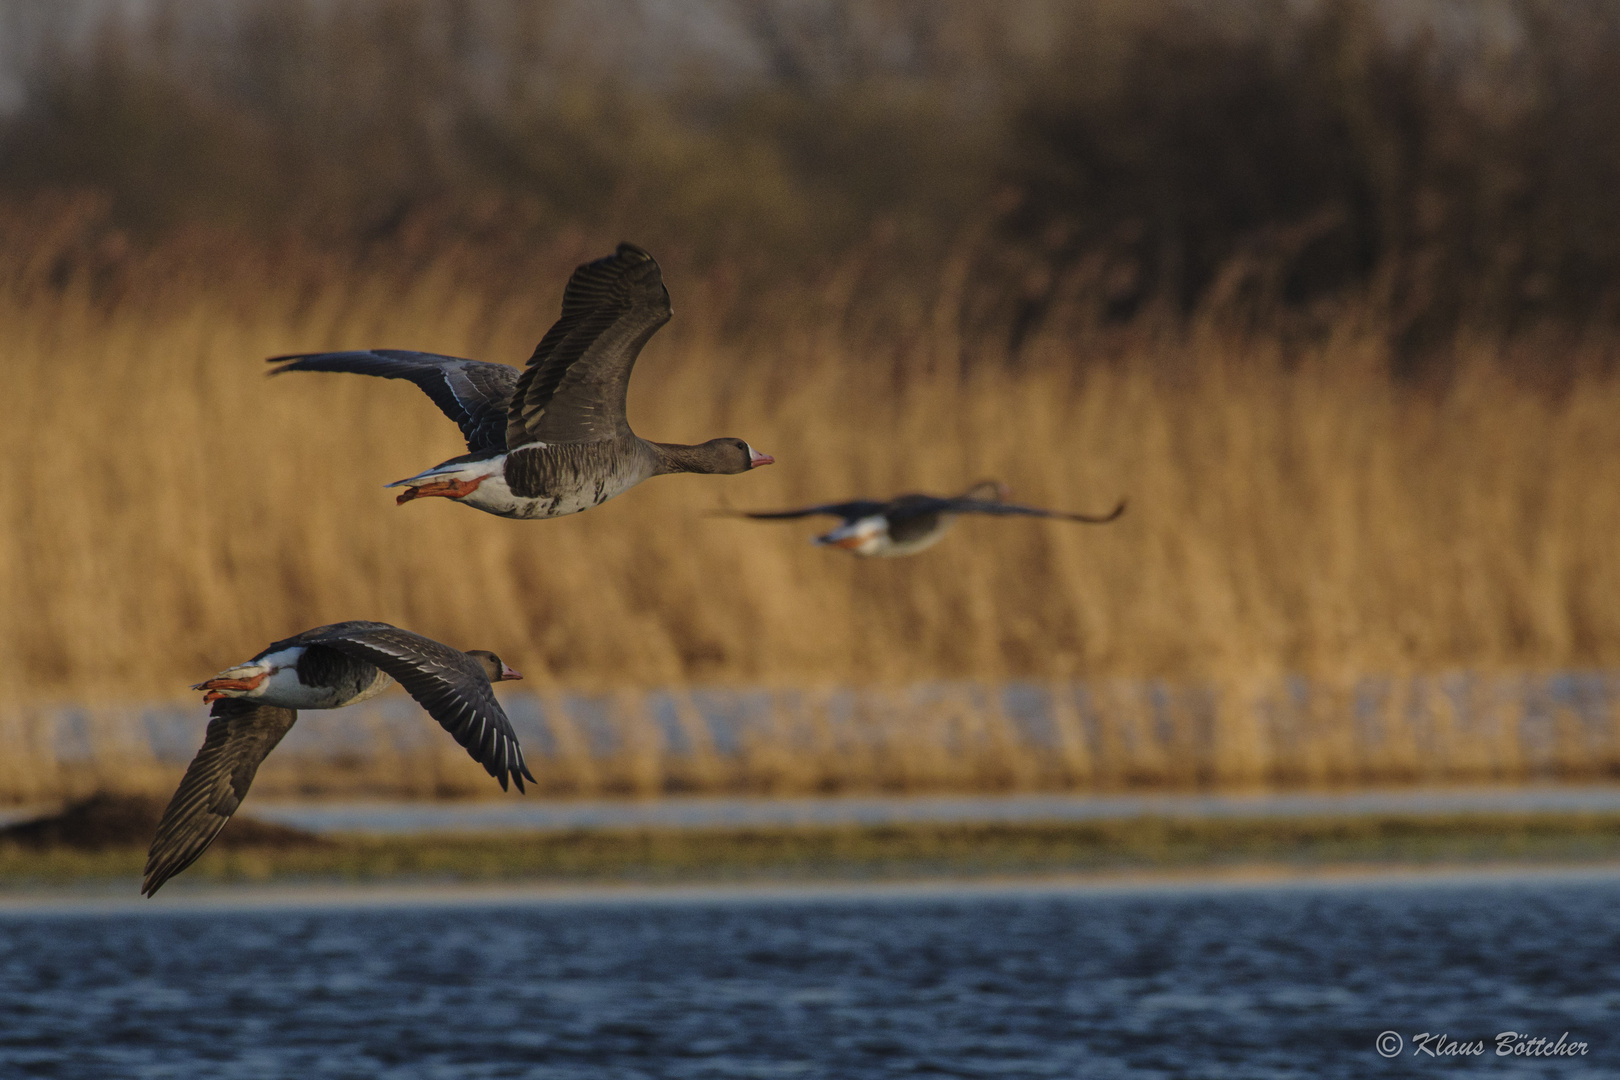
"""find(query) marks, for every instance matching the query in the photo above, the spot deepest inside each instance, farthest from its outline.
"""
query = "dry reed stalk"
(1076, 765)
(1571, 749)
(1394, 749)
(1009, 761)
(901, 741)
(700, 767)
(838, 744)
(988, 754)
(1323, 750)
(1242, 755)
(572, 769)
(169, 512)
(1128, 713)
(30, 771)
(1188, 729)
(767, 762)
(218, 508)
(928, 739)
(640, 761)
(1498, 708)
(909, 741)
(1609, 754)
(1464, 747)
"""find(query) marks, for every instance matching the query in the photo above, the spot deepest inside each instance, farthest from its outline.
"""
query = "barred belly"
(545, 481)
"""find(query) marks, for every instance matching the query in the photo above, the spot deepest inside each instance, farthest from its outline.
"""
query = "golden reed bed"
(167, 510)
(1106, 735)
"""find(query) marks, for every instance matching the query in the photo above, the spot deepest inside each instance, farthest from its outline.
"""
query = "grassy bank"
(887, 852)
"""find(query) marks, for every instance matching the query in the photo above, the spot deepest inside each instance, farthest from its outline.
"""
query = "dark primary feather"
(448, 683)
(322, 634)
(573, 389)
(474, 394)
(240, 735)
(849, 511)
(1001, 509)
(912, 506)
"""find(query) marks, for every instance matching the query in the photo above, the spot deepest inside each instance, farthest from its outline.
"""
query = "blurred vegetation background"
(1451, 164)
(1329, 290)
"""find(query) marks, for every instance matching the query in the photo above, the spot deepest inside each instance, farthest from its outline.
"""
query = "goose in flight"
(907, 524)
(552, 439)
(256, 703)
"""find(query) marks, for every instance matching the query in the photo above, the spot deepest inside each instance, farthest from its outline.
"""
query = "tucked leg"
(450, 489)
(215, 686)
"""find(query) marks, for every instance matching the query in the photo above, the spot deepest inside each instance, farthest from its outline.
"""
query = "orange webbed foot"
(449, 489)
(216, 686)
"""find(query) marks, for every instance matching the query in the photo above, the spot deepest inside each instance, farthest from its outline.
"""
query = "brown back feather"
(573, 389)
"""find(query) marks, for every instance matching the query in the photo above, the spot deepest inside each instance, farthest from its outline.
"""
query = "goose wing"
(446, 682)
(240, 735)
(320, 635)
(849, 511)
(1001, 509)
(573, 389)
(474, 394)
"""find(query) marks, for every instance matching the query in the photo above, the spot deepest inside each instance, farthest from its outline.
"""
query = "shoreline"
(797, 856)
(1237, 878)
(404, 817)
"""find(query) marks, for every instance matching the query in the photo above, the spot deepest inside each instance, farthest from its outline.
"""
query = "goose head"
(727, 456)
(493, 666)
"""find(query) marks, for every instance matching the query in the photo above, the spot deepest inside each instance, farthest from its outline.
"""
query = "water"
(1198, 981)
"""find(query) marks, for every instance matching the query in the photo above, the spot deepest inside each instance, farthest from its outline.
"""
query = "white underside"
(492, 496)
(869, 537)
(282, 688)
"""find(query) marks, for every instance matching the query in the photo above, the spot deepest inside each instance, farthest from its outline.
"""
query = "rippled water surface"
(1189, 982)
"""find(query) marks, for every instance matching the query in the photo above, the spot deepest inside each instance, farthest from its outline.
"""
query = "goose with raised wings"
(553, 438)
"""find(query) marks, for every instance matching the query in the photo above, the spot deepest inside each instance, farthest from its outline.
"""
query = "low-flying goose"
(907, 524)
(256, 703)
(552, 439)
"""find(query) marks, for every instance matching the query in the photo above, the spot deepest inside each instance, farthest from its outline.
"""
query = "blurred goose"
(256, 703)
(907, 524)
(552, 439)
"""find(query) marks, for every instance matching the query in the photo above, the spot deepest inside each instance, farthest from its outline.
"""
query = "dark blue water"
(1195, 982)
